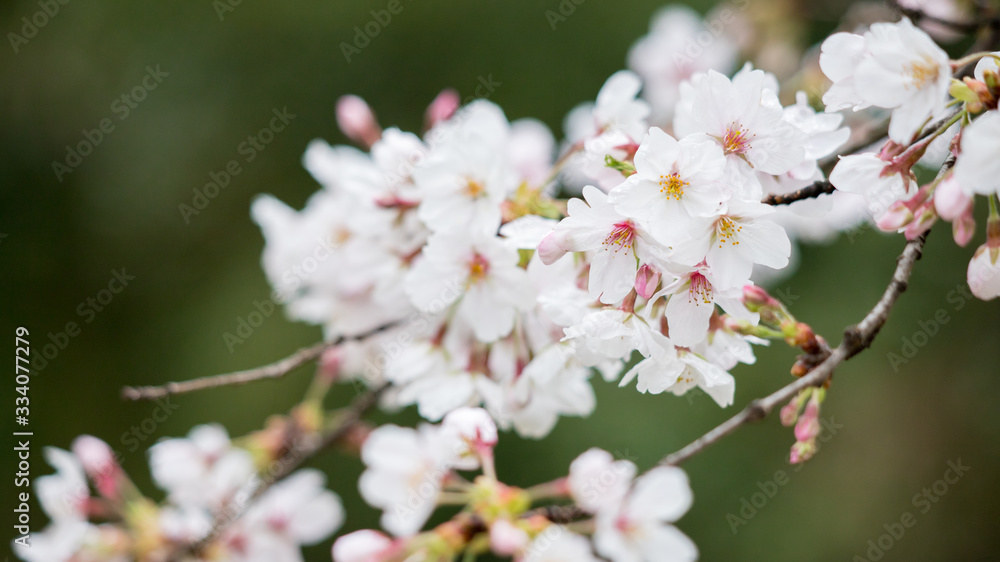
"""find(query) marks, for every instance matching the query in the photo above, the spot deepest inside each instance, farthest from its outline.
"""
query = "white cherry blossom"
(481, 272)
(977, 169)
(893, 66)
(639, 528)
(616, 243)
(677, 184)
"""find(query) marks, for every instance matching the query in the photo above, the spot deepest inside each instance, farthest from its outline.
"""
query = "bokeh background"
(194, 281)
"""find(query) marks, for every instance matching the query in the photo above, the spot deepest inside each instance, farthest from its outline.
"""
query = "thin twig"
(856, 338)
(809, 192)
(275, 370)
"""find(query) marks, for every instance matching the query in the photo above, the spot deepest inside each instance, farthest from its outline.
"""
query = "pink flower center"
(737, 139)
(622, 236)
(479, 268)
(701, 289)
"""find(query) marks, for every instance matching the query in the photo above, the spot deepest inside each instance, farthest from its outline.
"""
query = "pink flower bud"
(808, 426)
(924, 218)
(99, 463)
(330, 363)
(506, 539)
(646, 281)
(553, 247)
(95, 455)
(950, 200)
(984, 273)
(357, 121)
(362, 546)
(963, 228)
(442, 108)
(790, 412)
(802, 451)
(756, 298)
(895, 217)
(474, 426)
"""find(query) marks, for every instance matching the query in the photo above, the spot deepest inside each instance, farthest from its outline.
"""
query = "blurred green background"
(119, 209)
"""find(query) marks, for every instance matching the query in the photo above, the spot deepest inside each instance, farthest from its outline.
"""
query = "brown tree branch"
(856, 338)
(809, 192)
(275, 370)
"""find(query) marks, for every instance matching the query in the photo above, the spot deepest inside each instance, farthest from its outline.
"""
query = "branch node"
(755, 410)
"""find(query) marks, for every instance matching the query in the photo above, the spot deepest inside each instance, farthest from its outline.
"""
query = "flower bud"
(924, 218)
(474, 426)
(790, 412)
(808, 426)
(362, 546)
(895, 217)
(802, 451)
(357, 121)
(99, 463)
(984, 274)
(442, 108)
(950, 200)
(963, 228)
(757, 299)
(646, 281)
(507, 539)
(553, 247)
(330, 362)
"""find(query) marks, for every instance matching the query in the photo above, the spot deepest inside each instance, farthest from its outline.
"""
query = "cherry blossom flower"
(984, 272)
(481, 271)
(596, 480)
(639, 528)
(617, 107)
(405, 468)
(611, 126)
(558, 544)
(676, 184)
(745, 118)
(554, 383)
(616, 241)
(894, 66)
(873, 178)
(296, 511)
(467, 175)
(63, 495)
(733, 242)
(692, 300)
(671, 53)
(362, 546)
(977, 170)
(201, 470)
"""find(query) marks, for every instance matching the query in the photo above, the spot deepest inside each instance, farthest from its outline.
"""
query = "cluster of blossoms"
(898, 67)
(204, 476)
(410, 471)
(483, 272)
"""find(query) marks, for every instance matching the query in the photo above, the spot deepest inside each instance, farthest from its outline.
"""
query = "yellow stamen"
(726, 229)
(924, 72)
(672, 186)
